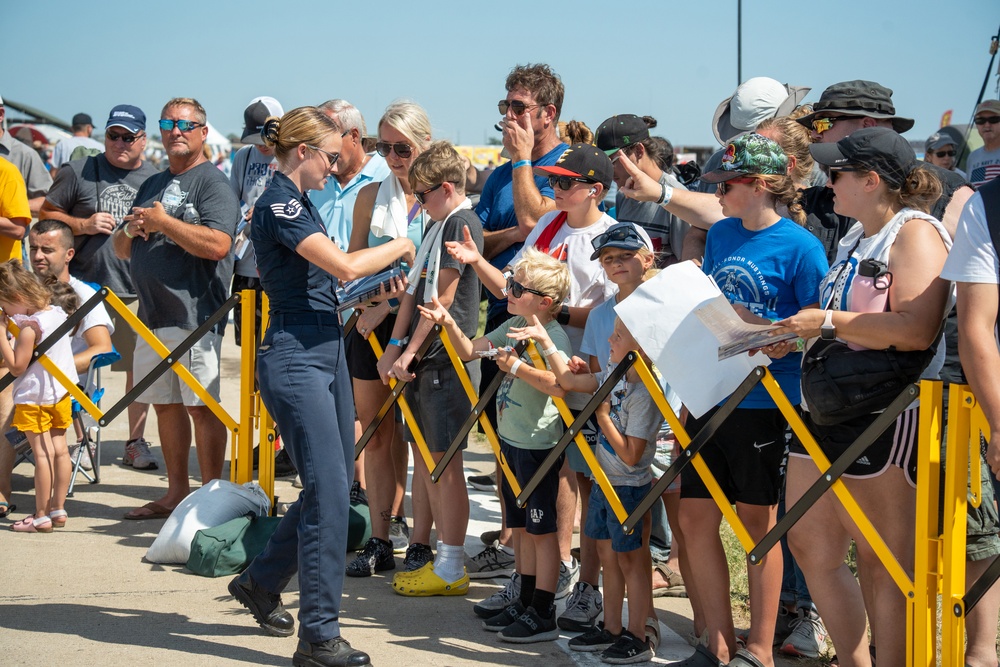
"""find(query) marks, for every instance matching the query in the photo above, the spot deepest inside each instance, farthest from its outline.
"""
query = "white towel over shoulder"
(389, 217)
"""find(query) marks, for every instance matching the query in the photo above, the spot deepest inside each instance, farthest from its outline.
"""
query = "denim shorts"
(603, 524)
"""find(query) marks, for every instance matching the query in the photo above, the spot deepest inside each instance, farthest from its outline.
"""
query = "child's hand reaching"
(578, 366)
(465, 251)
(438, 314)
(534, 331)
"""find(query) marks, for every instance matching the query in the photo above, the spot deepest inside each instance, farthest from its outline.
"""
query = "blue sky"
(672, 60)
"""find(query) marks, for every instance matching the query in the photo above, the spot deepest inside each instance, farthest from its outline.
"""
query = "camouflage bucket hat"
(749, 154)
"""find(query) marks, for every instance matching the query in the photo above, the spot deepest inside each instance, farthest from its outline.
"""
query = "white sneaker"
(808, 638)
(138, 456)
(399, 534)
(85, 462)
(584, 606)
(297, 482)
(568, 576)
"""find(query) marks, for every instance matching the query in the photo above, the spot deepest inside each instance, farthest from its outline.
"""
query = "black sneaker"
(486, 483)
(265, 607)
(358, 495)
(626, 650)
(283, 466)
(593, 640)
(417, 555)
(331, 653)
(530, 628)
(375, 557)
(501, 620)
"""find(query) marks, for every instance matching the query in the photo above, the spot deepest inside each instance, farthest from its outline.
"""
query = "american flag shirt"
(983, 166)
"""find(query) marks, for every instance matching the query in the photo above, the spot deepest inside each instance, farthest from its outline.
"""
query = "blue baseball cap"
(127, 116)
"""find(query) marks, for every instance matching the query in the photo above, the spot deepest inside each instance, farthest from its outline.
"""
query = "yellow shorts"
(43, 418)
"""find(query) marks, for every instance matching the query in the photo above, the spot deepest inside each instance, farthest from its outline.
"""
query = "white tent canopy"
(218, 142)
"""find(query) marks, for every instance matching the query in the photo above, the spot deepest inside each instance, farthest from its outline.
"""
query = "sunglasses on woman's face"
(517, 290)
(835, 172)
(403, 149)
(330, 157)
(565, 182)
(725, 186)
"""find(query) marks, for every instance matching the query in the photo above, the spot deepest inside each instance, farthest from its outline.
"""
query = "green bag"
(229, 548)
(359, 527)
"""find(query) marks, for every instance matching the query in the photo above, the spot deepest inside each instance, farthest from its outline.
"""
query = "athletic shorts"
(896, 446)
(203, 360)
(746, 455)
(440, 406)
(43, 418)
(361, 360)
(538, 516)
(603, 523)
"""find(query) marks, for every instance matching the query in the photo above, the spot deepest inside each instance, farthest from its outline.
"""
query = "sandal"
(58, 518)
(675, 583)
(30, 524)
(653, 632)
(6, 508)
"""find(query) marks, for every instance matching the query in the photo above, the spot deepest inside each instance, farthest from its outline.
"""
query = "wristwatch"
(828, 331)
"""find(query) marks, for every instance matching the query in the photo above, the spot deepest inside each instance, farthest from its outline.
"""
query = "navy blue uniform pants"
(306, 387)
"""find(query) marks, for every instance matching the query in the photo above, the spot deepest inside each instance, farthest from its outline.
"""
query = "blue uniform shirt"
(282, 218)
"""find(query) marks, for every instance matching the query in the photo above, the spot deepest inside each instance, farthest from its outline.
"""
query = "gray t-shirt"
(28, 162)
(175, 288)
(464, 308)
(84, 187)
(665, 230)
(252, 173)
(634, 414)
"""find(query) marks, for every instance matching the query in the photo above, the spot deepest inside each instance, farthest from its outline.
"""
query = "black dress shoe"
(331, 653)
(265, 607)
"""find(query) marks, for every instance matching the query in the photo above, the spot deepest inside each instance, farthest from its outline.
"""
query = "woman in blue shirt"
(305, 384)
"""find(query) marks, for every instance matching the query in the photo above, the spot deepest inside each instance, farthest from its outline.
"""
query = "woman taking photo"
(385, 211)
(304, 383)
(876, 180)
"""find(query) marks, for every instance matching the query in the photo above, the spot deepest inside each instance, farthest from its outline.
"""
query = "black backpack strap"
(990, 192)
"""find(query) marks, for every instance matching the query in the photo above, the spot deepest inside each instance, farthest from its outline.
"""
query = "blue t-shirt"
(282, 218)
(774, 272)
(496, 210)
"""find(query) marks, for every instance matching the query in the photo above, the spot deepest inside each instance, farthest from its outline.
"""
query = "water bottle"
(869, 290)
(172, 197)
(191, 214)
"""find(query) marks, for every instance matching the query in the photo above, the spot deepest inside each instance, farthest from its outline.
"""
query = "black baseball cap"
(880, 149)
(858, 98)
(82, 119)
(582, 161)
(254, 116)
(620, 132)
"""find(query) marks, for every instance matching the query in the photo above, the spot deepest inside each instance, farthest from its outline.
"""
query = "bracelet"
(563, 316)
(393, 303)
(514, 366)
(399, 342)
(800, 345)
(665, 194)
(548, 352)
(521, 163)
(125, 231)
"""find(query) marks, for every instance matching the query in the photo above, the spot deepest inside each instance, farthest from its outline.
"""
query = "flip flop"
(745, 658)
(702, 658)
(155, 511)
(5, 509)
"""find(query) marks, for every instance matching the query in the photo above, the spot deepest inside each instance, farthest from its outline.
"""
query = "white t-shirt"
(36, 386)
(983, 165)
(95, 318)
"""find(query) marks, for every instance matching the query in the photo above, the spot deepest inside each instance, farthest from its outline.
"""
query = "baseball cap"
(749, 155)
(939, 140)
(127, 116)
(622, 235)
(988, 105)
(620, 132)
(582, 161)
(255, 115)
(754, 101)
(880, 149)
(82, 119)
(858, 98)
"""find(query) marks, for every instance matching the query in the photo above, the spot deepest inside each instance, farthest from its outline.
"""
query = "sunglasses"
(565, 182)
(127, 138)
(331, 157)
(725, 186)
(835, 172)
(992, 120)
(821, 125)
(403, 149)
(517, 290)
(167, 125)
(421, 197)
(619, 234)
(944, 153)
(518, 106)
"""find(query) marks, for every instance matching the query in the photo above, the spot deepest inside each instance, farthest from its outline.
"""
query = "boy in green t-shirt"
(529, 425)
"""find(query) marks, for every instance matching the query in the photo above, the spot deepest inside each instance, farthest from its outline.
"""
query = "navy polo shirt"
(282, 218)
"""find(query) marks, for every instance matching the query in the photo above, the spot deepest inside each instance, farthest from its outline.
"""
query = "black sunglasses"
(517, 290)
(403, 149)
(944, 153)
(619, 234)
(835, 172)
(566, 182)
(992, 120)
(421, 197)
(331, 157)
(127, 138)
(518, 106)
(724, 186)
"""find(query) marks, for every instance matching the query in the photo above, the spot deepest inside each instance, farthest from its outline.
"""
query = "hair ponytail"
(920, 190)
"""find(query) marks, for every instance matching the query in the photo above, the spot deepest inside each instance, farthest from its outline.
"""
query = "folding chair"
(91, 442)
